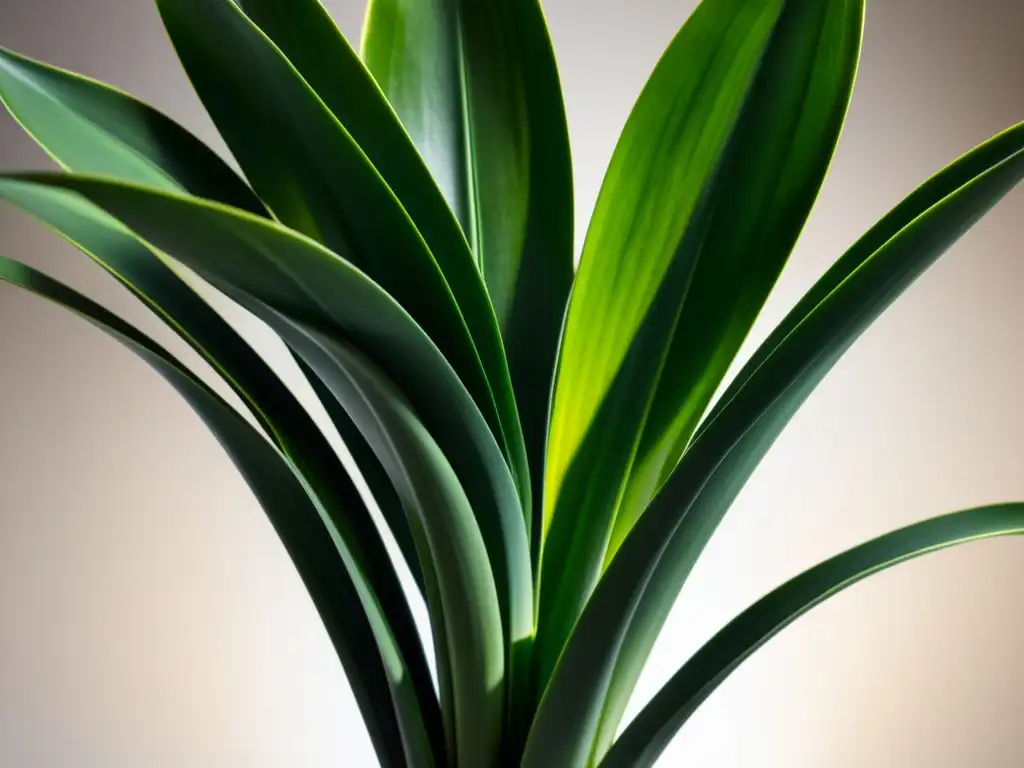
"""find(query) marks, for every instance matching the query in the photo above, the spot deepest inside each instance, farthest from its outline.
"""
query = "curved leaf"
(275, 408)
(307, 35)
(637, 263)
(307, 167)
(628, 607)
(341, 593)
(919, 230)
(381, 488)
(477, 87)
(259, 263)
(463, 598)
(492, 502)
(652, 729)
(784, 145)
(89, 127)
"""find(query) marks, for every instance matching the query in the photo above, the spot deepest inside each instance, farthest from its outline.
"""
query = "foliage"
(549, 463)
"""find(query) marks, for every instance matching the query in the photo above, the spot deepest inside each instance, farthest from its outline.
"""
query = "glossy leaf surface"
(342, 595)
(476, 86)
(652, 729)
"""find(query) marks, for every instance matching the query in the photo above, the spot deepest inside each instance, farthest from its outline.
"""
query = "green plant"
(406, 228)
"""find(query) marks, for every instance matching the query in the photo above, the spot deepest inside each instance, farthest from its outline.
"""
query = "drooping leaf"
(477, 88)
(628, 607)
(377, 481)
(274, 407)
(890, 256)
(652, 729)
(463, 598)
(315, 178)
(644, 241)
(259, 262)
(342, 594)
(89, 127)
(784, 144)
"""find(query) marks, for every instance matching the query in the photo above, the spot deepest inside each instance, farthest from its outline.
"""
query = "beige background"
(148, 617)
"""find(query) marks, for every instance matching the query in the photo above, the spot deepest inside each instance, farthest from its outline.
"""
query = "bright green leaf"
(627, 609)
(784, 144)
(643, 244)
(845, 301)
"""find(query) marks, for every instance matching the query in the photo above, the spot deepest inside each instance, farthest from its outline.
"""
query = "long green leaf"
(90, 127)
(463, 597)
(652, 729)
(628, 607)
(341, 593)
(477, 87)
(275, 408)
(307, 35)
(644, 241)
(259, 262)
(381, 488)
(307, 167)
(787, 137)
(888, 258)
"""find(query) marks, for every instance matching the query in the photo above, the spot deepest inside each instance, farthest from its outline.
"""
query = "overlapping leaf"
(317, 180)
(90, 127)
(271, 403)
(341, 592)
(708, 188)
(461, 592)
(312, 42)
(477, 88)
(890, 256)
(250, 258)
(627, 609)
(787, 137)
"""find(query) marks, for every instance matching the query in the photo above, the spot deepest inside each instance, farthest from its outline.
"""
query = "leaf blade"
(311, 173)
(972, 185)
(344, 601)
(626, 610)
(634, 275)
(781, 153)
(652, 729)
(262, 264)
(308, 37)
(463, 596)
(477, 87)
(90, 127)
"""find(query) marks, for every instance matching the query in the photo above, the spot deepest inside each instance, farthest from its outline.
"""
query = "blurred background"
(149, 617)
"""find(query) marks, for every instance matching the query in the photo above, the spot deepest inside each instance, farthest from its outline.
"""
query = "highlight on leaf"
(538, 442)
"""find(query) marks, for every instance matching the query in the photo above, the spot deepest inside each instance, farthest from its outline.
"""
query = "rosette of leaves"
(538, 440)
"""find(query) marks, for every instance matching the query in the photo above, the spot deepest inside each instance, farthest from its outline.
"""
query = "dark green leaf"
(652, 729)
(461, 594)
(308, 168)
(372, 472)
(89, 127)
(340, 591)
(275, 408)
(258, 262)
(477, 88)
